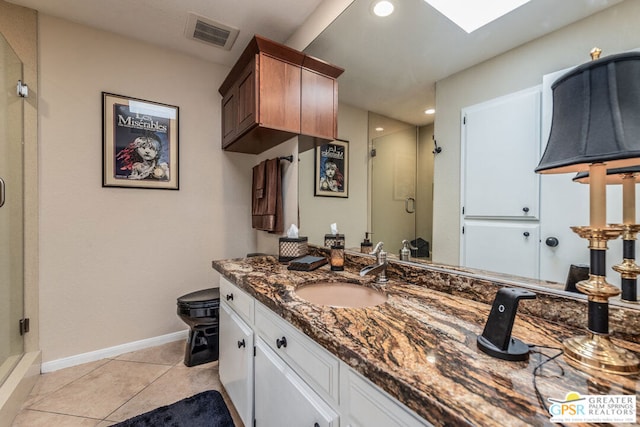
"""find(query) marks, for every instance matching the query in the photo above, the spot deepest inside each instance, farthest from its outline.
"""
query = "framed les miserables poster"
(139, 143)
(332, 169)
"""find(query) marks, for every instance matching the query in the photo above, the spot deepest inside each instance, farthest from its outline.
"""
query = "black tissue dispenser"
(496, 338)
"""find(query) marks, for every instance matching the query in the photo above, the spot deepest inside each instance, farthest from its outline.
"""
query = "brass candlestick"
(628, 269)
(596, 350)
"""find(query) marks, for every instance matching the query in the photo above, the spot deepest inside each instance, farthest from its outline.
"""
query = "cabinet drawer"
(313, 363)
(241, 302)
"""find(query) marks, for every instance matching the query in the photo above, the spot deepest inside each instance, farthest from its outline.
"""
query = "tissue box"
(291, 248)
(333, 239)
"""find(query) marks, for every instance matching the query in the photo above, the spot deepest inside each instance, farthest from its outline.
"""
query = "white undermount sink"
(341, 294)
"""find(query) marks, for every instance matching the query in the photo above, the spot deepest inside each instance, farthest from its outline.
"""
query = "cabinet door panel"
(501, 140)
(236, 362)
(279, 97)
(229, 118)
(318, 109)
(371, 407)
(246, 103)
(501, 246)
(282, 398)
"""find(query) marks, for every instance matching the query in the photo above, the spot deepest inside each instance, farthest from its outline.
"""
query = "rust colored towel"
(266, 198)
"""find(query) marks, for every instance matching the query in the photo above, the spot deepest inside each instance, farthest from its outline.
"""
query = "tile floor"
(108, 391)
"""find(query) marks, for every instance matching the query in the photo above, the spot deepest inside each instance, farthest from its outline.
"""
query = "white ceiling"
(163, 22)
(391, 64)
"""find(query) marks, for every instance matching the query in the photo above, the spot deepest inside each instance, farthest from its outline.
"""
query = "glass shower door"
(11, 211)
(393, 182)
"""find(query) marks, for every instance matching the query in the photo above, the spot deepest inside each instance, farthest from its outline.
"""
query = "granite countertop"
(420, 347)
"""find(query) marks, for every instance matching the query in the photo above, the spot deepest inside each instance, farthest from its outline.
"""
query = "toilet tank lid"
(200, 296)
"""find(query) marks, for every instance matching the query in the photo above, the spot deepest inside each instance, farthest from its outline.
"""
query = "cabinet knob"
(525, 209)
(241, 343)
(316, 425)
(526, 234)
(552, 241)
(229, 297)
(281, 342)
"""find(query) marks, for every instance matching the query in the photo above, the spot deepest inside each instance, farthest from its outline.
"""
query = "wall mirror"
(397, 67)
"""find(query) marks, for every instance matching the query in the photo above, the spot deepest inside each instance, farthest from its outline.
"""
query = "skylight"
(473, 14)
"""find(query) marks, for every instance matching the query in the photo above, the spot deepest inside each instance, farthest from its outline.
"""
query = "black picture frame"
(140, 144)
(332, 169)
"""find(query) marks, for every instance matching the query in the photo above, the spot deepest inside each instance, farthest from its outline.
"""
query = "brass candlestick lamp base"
(596, 350)
(628, 269)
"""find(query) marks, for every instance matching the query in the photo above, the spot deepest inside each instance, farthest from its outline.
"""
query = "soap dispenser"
(405, 252)
(366, 246)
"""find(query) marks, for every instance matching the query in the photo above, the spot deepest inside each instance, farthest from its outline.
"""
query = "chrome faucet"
(380, 267)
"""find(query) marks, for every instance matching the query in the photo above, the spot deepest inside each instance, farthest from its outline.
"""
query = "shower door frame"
(12, 254)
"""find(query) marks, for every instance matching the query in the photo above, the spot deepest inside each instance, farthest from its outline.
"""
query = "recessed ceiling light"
(383, 8)
(473, 14)
(379, 129)
(430, 111)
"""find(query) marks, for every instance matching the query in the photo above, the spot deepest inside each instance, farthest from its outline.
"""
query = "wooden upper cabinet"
(274, 93)
(279, 95)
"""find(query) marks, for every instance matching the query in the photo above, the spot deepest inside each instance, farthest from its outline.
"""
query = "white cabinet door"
(502, 246)
(371, 407)
(501, 145)
(282, 398)
(236, 362)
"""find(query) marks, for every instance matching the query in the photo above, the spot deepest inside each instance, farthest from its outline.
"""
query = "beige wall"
(318, 213)
(614, 30)
(114, 260)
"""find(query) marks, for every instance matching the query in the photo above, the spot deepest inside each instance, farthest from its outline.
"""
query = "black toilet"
(200, 310)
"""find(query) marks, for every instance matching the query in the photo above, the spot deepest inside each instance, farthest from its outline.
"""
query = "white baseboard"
(117, 350)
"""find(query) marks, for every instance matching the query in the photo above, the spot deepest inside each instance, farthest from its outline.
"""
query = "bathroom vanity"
(410, 361)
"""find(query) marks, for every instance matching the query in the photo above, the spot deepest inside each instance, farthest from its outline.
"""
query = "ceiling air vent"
(210, 32)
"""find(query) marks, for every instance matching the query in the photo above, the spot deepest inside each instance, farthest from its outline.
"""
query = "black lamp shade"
(596, 116)
(614, 176)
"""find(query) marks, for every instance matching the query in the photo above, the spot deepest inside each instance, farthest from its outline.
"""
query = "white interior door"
(500, 190)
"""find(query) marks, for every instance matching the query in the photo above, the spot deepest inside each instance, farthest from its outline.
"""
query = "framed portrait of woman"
(139, 143)
(332, 169)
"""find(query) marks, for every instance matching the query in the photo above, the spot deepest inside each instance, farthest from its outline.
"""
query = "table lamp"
(596, 126)
(628, 269)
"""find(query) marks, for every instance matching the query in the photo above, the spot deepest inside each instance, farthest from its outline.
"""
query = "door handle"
(2, 192)
(552, 242)
(413, 205)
